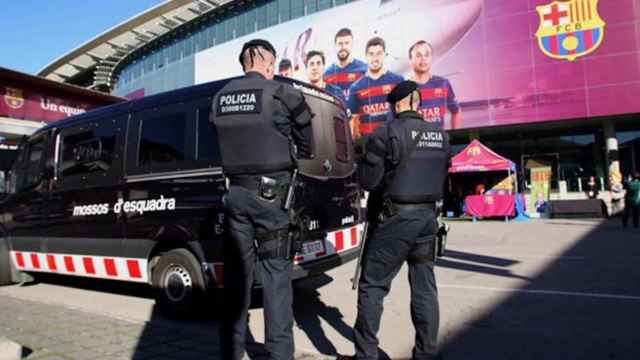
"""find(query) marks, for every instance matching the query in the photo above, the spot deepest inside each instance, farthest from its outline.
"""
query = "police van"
(133, 192)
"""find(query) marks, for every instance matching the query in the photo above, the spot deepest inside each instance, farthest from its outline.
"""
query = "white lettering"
(48, 105)
(137, 206)
(93, 209)
(427, 136)
(235, 99)
(348, 220)
(117, 208)
(313, 92)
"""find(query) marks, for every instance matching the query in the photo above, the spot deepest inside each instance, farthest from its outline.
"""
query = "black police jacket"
(258, 121)
(406, 159)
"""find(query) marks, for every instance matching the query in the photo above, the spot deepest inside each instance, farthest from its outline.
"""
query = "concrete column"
(611, 149)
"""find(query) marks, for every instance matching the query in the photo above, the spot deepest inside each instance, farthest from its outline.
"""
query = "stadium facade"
(539, 81)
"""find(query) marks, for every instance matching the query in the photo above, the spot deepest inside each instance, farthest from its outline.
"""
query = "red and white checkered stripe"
(116, 268)
(335, 243)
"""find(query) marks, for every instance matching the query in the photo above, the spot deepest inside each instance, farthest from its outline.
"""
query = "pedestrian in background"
(632, 201)
(617, 193)
(592, 188)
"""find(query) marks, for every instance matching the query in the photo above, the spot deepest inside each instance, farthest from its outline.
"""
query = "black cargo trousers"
(632, 211)
(406, 236)
(249, 215)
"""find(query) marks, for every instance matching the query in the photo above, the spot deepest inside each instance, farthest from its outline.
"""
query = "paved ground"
(563, 289)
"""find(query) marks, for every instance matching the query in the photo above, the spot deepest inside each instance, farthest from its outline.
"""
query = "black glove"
(359, 146)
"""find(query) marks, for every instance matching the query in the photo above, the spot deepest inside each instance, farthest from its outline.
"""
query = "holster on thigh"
(274, 245)
(423, 251)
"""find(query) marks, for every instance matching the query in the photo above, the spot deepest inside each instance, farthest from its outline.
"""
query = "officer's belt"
(391, 209)
(252, 182)
(399, 207)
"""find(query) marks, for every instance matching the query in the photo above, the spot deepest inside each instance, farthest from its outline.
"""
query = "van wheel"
(178, 284)
(5, 263)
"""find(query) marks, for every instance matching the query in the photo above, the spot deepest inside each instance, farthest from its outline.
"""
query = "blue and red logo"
(569, 29)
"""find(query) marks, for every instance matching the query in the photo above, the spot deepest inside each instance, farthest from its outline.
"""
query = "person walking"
(632, 201)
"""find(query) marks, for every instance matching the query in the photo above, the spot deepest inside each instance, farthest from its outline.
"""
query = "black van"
(133, 192)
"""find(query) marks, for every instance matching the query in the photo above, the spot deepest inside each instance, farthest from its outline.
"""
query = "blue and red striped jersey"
(346, 76)
(368, 99)
(437, 95)
(335, 91)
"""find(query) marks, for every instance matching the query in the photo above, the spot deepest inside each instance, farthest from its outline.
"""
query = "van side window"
(162, 140)
(87, 150)
(18, 170)
(341, 133)
(27, 169)
(34, 162)
(208, 147)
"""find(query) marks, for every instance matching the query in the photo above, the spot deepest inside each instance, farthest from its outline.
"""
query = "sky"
(36, 32)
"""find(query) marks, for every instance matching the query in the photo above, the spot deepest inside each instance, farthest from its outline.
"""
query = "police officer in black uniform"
(263, 126)
(404, 166)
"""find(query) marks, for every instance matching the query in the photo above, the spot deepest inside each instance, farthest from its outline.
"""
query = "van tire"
(178, 284)
(5, 263)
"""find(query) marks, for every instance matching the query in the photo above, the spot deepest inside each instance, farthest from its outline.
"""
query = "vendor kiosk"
(501, 201)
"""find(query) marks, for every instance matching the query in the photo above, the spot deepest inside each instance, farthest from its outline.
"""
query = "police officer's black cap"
(401, 91)
(257, 43)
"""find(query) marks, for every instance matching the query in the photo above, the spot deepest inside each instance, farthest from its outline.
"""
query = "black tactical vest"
(245, 113)
(420, 177)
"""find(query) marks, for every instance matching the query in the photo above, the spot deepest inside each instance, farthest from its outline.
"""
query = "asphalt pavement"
(544, 289)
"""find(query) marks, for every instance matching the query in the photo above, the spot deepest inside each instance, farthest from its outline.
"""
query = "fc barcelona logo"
(569, 29)
(386, 89)
(13, 98)
(474, 151)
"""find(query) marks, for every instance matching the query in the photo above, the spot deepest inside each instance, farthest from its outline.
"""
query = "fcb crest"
(474, 151)
(13, 98)
(569, 29)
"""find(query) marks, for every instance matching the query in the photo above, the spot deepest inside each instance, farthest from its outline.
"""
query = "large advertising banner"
(540, 185)
(18, 103)
(478, 62)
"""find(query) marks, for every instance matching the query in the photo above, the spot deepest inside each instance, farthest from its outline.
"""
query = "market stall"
(499, 201)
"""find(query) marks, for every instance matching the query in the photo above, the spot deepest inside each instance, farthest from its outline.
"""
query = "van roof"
(174, 96)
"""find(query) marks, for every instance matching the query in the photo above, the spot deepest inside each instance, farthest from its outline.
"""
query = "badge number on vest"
(240, 102)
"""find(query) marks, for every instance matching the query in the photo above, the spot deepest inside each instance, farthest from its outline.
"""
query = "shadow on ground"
(309, 310)
(491, 265)
(570, 310)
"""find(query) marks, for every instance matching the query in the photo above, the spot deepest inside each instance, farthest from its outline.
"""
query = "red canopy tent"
(477, 158)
